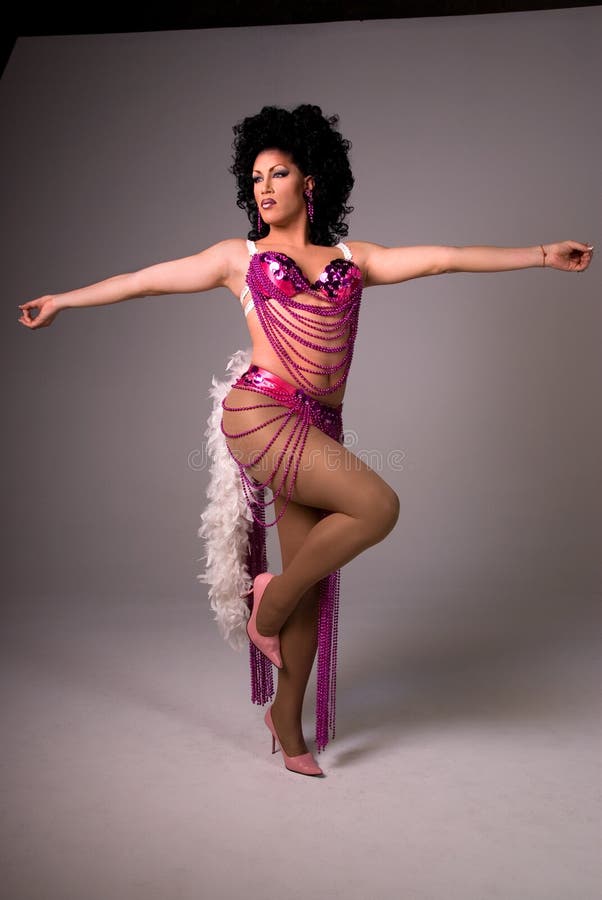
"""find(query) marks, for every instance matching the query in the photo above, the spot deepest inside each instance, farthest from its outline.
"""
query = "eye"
(256, 178)
(282, 174)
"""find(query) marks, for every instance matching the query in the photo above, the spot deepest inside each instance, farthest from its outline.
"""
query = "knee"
(390, 515)
(384, 513)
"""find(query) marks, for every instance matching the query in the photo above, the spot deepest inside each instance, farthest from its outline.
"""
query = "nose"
(267, 184)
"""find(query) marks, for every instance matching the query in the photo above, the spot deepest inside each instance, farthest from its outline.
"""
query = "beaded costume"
(238, 509)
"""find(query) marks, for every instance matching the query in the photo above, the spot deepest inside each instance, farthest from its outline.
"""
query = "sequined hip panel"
(328, 419)
(301, 411)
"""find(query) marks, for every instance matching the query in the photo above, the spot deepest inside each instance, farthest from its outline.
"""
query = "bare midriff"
(265, 356)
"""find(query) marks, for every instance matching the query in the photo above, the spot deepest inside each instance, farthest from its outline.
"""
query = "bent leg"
(316, 472)
(363, 509)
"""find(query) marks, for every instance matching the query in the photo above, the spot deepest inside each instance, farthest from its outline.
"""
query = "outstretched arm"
(202, 271)
(391, 265)
(569, 256)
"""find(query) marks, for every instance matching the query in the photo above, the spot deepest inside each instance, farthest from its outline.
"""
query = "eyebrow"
(271, 167)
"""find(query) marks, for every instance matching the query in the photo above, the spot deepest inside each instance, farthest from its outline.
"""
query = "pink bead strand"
(274, 281)
(265, 289)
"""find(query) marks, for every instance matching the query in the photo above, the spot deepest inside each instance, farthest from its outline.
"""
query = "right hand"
(48, 309)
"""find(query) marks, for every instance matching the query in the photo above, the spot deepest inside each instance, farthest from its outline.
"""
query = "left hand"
(570, 256)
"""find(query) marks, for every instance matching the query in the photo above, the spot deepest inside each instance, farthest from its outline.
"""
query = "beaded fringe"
(244, 554)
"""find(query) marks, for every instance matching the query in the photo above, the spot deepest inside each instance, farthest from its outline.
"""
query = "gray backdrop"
(468, 130)
(485, 387)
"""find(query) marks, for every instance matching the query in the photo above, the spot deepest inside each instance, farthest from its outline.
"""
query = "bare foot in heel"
(267, 644)
(290, 732)
(265, 615)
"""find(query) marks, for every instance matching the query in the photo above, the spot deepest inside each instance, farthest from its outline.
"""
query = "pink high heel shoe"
(305, 763)
(268, 644)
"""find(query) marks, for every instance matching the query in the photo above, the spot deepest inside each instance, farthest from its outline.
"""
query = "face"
(278, 186)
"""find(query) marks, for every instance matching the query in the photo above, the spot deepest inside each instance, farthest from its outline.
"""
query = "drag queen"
(275, 434)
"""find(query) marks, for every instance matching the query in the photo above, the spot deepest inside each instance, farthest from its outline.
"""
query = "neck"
(295, 234)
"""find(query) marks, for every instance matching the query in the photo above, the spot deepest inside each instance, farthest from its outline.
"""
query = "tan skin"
(276, 178)
(225, 264)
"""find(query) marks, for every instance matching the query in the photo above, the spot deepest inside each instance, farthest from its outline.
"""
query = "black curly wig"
(316, 148)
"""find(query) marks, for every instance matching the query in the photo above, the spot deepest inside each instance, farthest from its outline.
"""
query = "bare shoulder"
(232, 253)
(362, 251)
(231, 250)
(235, 255)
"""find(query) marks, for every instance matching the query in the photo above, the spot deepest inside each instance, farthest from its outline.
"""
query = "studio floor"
(465, 766)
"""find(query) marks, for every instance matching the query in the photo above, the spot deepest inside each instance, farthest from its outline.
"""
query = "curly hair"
(315, 147)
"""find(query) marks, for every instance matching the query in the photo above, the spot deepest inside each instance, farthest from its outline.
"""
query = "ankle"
(286, 714)
(290, 732)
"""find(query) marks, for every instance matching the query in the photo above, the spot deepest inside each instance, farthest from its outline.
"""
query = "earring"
(259, 222)
(309, 203)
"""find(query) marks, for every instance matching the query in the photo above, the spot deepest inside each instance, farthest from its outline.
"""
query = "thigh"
(257, 428)
(294, 527)
(333, 478)
(299, 460)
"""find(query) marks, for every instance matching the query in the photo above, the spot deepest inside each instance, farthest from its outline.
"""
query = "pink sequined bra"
(274, 280)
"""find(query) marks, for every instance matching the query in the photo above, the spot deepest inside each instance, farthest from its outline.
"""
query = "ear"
(309, 183)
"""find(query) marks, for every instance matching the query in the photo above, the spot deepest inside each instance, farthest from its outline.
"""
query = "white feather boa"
(226, 520)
